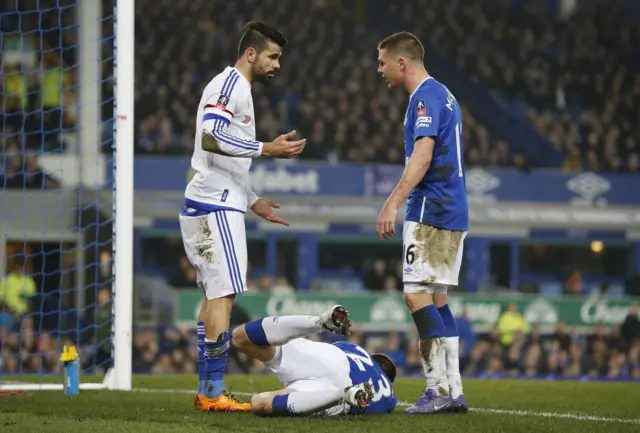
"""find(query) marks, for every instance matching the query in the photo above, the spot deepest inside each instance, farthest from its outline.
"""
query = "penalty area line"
(558, 415)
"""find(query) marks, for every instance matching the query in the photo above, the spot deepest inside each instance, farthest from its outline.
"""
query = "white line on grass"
(572, 416)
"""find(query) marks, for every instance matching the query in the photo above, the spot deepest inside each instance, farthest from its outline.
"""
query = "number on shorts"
(410, 255)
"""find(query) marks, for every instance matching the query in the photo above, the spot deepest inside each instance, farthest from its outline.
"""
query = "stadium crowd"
(328, 89)
(576, 76)
(515, 349)
(573, 77)
(613, 354)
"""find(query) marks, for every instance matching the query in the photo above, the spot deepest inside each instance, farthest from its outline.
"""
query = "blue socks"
(429, 322)
(256, 333)
(280, 404)
(450, 328)
(212, 362)
(200, 334)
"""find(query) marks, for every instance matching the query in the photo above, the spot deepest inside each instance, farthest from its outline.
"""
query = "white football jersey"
(225, 118)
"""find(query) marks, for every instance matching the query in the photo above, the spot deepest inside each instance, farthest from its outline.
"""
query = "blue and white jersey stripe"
(229, 252)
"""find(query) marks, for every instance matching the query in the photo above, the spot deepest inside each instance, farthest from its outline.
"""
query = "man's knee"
(416, 301)
(239, 338)
(418, 295)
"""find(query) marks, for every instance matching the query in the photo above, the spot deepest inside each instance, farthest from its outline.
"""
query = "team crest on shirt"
(223, 100)
(421, 108)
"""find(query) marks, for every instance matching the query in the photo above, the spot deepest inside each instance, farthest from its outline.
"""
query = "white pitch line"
(571, 416)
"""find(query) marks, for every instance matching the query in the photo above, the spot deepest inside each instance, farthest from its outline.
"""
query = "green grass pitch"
(164, 404)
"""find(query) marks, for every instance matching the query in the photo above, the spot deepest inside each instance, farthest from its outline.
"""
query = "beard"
(263, 77)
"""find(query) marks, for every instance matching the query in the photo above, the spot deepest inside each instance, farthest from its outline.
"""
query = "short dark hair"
(386, 364)
(404, 44)
(257, 34)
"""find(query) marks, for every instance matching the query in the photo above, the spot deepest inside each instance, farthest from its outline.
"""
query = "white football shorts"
(312, 366)
(431, 256)
(216, 245)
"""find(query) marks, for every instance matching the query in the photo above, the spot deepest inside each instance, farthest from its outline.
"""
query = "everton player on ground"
(318, 378)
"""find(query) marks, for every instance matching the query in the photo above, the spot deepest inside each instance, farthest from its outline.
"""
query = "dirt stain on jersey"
(210, 143)
(436, 247)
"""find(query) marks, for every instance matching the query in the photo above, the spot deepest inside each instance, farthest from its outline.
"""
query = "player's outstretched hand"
(387, 222)
(284, 146)
(265, 209)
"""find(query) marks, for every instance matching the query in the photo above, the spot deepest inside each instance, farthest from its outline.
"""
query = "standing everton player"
(436, 222)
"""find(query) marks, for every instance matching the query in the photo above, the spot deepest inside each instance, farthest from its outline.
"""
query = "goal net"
(67, 187)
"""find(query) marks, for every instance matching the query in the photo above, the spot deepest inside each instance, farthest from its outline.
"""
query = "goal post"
(123, 194)
(66, 209)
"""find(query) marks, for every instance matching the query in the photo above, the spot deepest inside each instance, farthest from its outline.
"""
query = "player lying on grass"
(318, 378)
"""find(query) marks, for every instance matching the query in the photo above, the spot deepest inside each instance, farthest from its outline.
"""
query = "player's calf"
(262, 404)
(431, 331)
(291, 402)
(245, 344)
(279, 330)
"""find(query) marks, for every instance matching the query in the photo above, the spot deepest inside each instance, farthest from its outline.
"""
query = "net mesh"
(56, 79)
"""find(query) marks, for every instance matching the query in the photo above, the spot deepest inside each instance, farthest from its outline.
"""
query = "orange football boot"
(225, 402)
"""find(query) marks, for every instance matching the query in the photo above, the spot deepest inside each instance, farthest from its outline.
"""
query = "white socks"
(434, 365)
(452, 345)
(308, 403)
(282, 329)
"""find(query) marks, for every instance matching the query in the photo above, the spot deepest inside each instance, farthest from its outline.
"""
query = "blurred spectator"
(185, 274)
(468, 337)
(597, 337)
(630, 329)
(282, 286)
(22, 170)
(16, 288)
(101, 356)
(534, 337)
(632, 285)
(574, 284)
(615, 342)
(394, 350)
(559, 335)
(375, 277)
(265, 283)
(510, 322)
(391, 284)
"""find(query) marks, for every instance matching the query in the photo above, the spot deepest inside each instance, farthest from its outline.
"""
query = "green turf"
(161, 411)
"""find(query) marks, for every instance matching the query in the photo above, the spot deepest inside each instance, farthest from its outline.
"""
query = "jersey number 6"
(409, 254)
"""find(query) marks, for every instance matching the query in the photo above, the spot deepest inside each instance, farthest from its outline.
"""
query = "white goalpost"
(123, 195)
(50, 219)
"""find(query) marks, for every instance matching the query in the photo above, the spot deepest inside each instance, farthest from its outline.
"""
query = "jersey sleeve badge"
(421, 108)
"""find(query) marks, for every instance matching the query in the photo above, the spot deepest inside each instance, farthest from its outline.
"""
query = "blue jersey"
(440, 198)
(364, 369)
